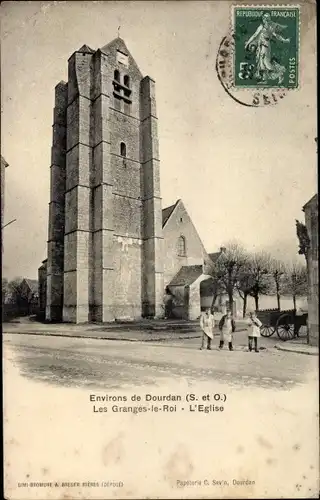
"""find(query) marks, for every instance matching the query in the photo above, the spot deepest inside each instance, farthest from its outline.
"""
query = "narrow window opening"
(123, 149)
(117, 76)
(126, 80)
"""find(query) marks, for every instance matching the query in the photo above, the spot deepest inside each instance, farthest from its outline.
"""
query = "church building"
(112, 250)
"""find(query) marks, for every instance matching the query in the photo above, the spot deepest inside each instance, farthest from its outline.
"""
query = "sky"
(243, 173)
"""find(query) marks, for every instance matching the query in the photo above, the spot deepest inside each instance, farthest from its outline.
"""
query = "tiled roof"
(33, 285)
(166, 213)
(187, 275)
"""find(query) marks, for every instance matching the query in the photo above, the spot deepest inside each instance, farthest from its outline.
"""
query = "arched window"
(123, 149)
(126, 80)
(181, 246)
(117, 75)
(127, 95)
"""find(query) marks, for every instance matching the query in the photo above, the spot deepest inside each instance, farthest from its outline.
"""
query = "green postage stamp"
(266, 46)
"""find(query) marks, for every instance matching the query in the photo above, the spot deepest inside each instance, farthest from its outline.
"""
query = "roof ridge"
(85, 49)
(169, 211)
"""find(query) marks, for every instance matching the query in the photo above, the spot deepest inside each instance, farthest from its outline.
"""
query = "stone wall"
(180, 224)
(42, 280)
(105, 253)
(311, 219)
(56, 226)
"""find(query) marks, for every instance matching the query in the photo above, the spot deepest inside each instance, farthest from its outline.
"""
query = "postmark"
(266, 46)
(250, 97)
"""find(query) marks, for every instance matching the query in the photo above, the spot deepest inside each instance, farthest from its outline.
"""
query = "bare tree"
(278, 273)
(254, 278)
(244, 286)
(215, 287)
(217, 290)
(14, 289)
(227, 269)
(296, 281)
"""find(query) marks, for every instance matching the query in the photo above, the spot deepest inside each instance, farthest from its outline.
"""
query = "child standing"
(254, 331)
(206, 325)
(227, 326)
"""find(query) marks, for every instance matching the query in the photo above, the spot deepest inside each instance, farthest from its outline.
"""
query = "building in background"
(312, 255)
(20, 297)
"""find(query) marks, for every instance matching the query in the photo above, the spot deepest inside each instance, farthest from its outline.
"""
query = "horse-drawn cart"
(286, 323)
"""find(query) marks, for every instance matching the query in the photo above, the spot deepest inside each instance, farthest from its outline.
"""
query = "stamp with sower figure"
(258, 59)
(266, 46)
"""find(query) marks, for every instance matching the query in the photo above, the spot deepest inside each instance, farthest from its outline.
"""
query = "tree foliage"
(254, 279)
(303, 237)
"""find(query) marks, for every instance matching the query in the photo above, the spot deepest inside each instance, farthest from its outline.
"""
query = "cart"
(286, 323)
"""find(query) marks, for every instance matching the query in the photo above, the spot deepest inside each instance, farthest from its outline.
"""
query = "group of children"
(227, 327)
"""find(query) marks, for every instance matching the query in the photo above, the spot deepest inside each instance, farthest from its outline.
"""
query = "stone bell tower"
(105, 256)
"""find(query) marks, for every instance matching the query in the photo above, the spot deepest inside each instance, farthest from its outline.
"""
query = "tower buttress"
(78, 196)
(54, 288)
(102, 269)
(152, 212)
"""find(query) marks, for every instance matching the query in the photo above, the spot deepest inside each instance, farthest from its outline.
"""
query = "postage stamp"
(246, 96)
(266, 46)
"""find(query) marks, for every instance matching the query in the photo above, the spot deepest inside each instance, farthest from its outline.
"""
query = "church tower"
(105, 245)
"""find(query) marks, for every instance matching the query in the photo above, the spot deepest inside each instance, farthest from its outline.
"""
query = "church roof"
(167, 212)
(311, 201)
(187, 275)
(86, 50)
(119, 44)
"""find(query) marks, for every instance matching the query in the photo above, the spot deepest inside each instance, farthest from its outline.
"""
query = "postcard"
(159, 217)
